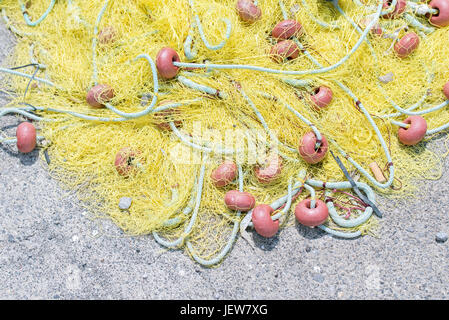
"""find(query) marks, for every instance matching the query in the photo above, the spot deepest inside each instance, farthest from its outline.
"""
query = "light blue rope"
(432, 109)
(370, 120)
(231, 240)
(345, 222)
(154, 98)
(21, 74)
(262, 120)
(187, 141)
(33, 59)
(401, 110)
(309, 184)
(297, 83)
(104, 119)
(24, 112)
(188, 228)
(340, 234)
(317, 133)
(202, 88)
(94, 42)
(436, 130)
(286, 72)
(373, 53)
(415, 23)
(44, 15)
(189, 51)
(312, 195)
(287, 200)
(14, 140)
(14, 29)
(203, 37)
(187, 210)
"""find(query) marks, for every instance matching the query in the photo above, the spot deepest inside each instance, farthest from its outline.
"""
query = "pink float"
(264, 225)
(123, 161)
(446, 90)
(248, 11)
(286, 29)
(322, 97)
(164, 63)
(284, 50)
(311, 217)
(406, 45)
(26, 137)
(224, 174)
(99, 94)
(398, 10)
(442, 18)
(415, 133)
(307, 148)
(270, 171)
(239, 201)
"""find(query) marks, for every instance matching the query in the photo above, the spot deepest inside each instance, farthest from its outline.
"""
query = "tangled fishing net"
(201, 135)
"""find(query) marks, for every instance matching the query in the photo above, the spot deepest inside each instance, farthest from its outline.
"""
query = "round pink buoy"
(307, 148)
(415, 133)
(286, 29)
(224, 173)
(124, 161)
(163, 117)
(26, 137)
(441, 19)
(398, 10)
(264, 225)
(164, 63)
(311, 217)
(239, 201)
(248, 11)
(446, 90)
(99, 94)
(284, 50)
(322, 97)
(270, 171)
(107, 35)
(406, 45)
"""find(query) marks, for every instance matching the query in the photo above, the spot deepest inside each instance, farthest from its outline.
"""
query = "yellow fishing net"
(82, 152)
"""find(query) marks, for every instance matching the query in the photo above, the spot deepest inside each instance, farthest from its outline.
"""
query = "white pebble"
(125, 203)
(387, 77)
(441, 237)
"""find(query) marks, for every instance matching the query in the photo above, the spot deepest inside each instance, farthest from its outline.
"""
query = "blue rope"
(231, 240)
(44, 15)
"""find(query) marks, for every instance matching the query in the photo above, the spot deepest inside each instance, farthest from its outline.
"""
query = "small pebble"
(125, 203)
(145, 99)
(441, 237)
(318, 278)
(386, 78)
(308, 249)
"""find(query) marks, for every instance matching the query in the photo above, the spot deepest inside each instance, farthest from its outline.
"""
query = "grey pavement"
(49, 249)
